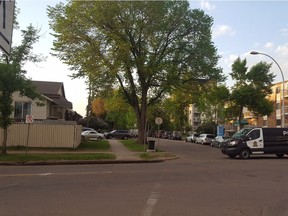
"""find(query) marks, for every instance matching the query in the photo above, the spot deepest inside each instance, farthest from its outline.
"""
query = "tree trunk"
(240, 118)
(4, 142)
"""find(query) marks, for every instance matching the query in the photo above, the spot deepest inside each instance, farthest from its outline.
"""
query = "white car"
(91, 135)
(205, 138)
(191, 138)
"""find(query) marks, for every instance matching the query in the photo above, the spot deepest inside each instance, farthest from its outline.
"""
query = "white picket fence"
(43, 136)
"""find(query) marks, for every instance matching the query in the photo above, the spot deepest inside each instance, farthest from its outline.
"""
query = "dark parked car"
(118, 134)
(167, 134)
(175, 136)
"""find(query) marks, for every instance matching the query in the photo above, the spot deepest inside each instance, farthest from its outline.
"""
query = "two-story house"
(56, 106)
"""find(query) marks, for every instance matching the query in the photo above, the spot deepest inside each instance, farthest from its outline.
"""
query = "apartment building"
(194, 117)
(275, 119)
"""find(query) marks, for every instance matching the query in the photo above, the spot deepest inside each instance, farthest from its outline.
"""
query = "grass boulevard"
(87, 150)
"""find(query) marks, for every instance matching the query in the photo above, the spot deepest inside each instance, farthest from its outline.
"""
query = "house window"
(278, 122)
(278, 90)
(22, 109)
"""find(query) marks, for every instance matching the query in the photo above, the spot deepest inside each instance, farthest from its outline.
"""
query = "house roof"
(54, 91)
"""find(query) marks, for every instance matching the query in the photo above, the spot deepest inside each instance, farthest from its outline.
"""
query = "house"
(56, 106)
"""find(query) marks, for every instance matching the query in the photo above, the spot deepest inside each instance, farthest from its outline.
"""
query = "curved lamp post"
(283, 84)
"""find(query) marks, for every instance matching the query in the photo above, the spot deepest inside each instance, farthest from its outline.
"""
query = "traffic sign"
(158, 120)
(29, 119)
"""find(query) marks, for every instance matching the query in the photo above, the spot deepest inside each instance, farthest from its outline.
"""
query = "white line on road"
(150, 204)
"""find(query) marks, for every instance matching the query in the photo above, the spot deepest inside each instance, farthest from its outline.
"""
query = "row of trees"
(218, 103)
(141, 59)
(153, 54)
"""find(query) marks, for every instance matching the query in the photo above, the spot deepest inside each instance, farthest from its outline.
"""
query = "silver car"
(191, 138)
(91, 135)
(205, 139)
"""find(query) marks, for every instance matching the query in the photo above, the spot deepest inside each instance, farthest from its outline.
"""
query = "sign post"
(29, 120)
(158, 121)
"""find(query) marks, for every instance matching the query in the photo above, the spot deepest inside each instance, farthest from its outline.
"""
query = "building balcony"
(286, 93)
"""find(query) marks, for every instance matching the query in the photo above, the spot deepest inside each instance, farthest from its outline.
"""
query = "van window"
(255, 134)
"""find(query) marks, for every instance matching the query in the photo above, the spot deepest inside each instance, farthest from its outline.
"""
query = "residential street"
(202, 182)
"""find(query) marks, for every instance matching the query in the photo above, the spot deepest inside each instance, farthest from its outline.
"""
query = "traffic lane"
(224, 186)
(191, 186)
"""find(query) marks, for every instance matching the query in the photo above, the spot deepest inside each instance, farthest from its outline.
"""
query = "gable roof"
(54, 91)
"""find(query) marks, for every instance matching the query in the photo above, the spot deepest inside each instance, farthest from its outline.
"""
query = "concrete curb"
(81, 162)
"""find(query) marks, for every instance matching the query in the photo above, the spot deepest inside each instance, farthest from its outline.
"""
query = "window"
(254, 135)
(278, 90)
(278, 122)
(22, 109)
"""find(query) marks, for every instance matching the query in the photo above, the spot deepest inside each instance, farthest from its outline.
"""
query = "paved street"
(202, 182)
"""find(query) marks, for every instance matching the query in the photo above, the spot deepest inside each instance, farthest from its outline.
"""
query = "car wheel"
(202, 142)
(244, 154)
(280, 155)
(99, 138)
(82, 138)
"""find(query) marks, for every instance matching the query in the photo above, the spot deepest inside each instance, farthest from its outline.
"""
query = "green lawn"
(132, 145)
(88, 150)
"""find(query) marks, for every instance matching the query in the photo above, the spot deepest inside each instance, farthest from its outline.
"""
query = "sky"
(238, 28)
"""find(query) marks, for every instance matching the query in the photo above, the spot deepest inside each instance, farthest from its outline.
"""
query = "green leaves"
(252, 87)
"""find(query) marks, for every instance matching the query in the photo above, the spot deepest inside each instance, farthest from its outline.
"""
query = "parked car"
(118, 134)
(191, 138)
(91, 135)
(160, 134)
(167, 135)
(218, 141)
(175, 135)
(87, 128)
(205, 138)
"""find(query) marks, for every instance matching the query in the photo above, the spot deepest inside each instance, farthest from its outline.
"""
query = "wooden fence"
(43, 136)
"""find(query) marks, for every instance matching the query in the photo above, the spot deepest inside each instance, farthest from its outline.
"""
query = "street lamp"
(283, 84)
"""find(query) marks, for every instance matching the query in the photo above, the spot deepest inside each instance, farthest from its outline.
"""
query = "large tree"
(251, 88)
(145, 48)
(12, 78)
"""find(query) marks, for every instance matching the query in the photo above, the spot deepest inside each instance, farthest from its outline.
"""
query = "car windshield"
(241, 133)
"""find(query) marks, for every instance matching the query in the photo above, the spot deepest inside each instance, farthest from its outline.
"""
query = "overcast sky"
(239, 27)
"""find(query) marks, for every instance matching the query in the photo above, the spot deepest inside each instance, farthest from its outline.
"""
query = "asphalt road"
(203, 182)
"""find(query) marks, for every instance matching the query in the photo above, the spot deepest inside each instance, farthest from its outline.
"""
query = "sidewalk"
(121, 152)
(123, 155)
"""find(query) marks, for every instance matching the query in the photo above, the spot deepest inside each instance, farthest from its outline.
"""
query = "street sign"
(6, 24)
(29, 119)
(158, 120)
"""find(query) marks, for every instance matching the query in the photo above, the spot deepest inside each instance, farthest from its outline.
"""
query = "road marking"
(150, 204)
(49, 174)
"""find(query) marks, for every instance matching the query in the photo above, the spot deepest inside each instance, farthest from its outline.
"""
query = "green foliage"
(251, 88)
(207, 127)
(145, 48)
(12, 78)
(54, 157)
(212, 102)
(119, 113)
(94, 145)
(133, 145)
